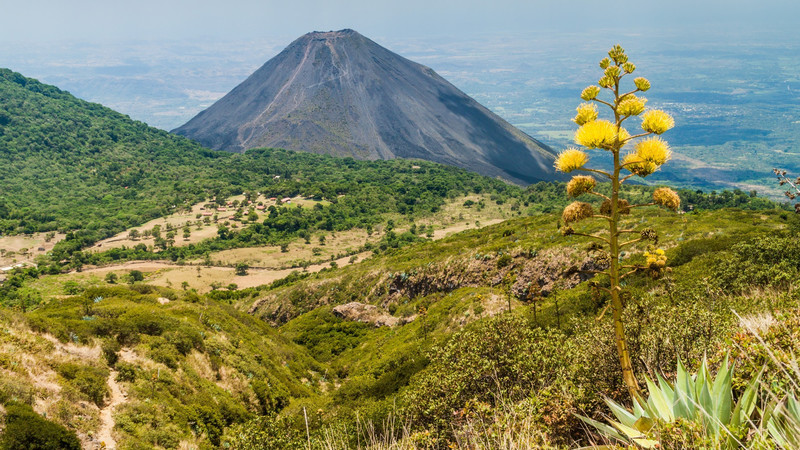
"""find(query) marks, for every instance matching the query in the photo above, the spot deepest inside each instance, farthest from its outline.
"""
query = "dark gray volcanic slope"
(342, 94)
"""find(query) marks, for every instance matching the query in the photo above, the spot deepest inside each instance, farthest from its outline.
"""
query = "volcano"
(342, 94)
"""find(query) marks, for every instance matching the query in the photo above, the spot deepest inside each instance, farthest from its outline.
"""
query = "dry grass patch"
(24, 248)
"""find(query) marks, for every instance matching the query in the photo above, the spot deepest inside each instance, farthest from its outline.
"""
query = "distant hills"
(342, 94)
(68, 164)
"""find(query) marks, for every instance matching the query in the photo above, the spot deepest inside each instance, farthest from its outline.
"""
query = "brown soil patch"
(24, 248)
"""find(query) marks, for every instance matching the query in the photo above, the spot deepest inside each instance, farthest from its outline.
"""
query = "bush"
(166, 436)
(27, 430)
(499, 358)
(272, 397)
(764, 261)
(110, 348)
(126, 372)
(504, 260)
(265, 433)
(90, 381)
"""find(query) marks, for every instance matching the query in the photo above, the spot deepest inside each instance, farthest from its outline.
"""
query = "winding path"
(107, 423)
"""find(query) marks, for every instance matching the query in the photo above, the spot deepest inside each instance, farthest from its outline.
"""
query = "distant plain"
(735, 98)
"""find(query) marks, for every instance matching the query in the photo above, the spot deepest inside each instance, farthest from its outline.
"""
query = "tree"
(134, 276)
(241, 269)
(646, 156)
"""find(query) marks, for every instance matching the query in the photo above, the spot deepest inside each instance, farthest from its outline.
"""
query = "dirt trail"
(104, 436)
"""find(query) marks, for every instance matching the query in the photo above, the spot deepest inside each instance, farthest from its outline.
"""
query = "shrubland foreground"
(456, 366)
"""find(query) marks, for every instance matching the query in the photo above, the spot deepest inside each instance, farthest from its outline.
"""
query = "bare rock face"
(360, 312)
(342, 94)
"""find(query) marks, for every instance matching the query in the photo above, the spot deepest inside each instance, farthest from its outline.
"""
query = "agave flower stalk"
(648, 154)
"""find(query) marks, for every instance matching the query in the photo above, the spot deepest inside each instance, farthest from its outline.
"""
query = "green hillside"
(461, 363)
(71, 165)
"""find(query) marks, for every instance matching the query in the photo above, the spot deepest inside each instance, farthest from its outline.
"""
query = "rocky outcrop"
(360, 312)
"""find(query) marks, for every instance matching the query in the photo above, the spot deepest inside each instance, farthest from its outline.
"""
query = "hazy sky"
(47, 20)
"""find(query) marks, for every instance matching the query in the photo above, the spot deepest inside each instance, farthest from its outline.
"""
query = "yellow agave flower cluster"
(667, 198)
(571, 159)
(655, 262)
(656, 259)
(649, 154)
(601, 134)
(597, 133)
(577, 211)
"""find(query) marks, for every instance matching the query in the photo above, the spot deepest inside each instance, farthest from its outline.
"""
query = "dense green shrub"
(24, 429)
(90, 381)
(272, 397)
(110, 349)
(499, 358)
(265, 433)
(126, 372)
(326, 335)
(763, 261)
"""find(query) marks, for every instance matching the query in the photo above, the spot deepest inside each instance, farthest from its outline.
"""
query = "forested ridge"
(73, 165)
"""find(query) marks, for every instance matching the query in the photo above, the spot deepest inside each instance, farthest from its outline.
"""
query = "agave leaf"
(604, 429)
(793, 408)
(622, 414)
(647, 443)
(666, 388)
(644, 424)
(640, 408)
(744, 407)
(706, 407)
(722, 394)
(778, 435)
(660, 404)
(635, 435)
(783, 422)
(701, 380)
(682, 406)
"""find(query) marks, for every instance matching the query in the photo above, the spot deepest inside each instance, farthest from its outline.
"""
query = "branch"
(599, 195)
(640, 205)
(628, 93)
(633, 241)
(605, 103)
(625, 178)
(603, 313)
(630, 273)
(639, 135)
(599, 238)
(595, 171)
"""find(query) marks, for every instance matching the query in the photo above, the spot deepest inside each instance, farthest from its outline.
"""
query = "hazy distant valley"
(737, 102)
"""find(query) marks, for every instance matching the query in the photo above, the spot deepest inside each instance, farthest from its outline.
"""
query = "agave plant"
(702, 400)
(783, 422)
